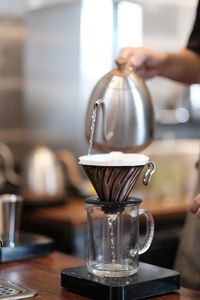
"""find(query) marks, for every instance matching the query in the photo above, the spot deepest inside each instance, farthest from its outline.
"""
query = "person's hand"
(146, 63)
(195, 206)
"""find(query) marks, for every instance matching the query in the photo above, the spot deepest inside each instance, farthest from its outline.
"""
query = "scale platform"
(29, 245)
(148, 282)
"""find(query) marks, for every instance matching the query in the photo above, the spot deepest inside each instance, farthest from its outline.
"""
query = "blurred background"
(52, 53)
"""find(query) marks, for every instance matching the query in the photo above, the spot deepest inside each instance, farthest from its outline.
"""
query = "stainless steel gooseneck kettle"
(125, 116)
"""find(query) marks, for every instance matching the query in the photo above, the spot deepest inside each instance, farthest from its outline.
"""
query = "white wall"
(67, 49)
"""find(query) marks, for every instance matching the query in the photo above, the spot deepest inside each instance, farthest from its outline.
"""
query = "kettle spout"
(97, 103)
(100, 103)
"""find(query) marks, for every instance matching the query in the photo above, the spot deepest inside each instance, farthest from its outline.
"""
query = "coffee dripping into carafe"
(113, 216)
(119, 120)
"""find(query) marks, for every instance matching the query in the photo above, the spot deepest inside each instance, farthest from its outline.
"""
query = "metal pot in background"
(125, 116)
(42, 178)
(46, 176)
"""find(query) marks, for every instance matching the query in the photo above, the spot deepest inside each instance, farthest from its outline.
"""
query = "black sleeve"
(194, 39)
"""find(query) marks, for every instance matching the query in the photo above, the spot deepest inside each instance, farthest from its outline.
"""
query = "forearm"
(183, 66)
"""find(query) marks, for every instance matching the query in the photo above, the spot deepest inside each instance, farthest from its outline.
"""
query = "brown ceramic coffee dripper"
(113, 175)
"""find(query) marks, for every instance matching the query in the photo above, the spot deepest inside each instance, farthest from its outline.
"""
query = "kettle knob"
(124, 67)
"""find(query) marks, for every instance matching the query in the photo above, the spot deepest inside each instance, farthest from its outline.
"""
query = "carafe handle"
(149, 230)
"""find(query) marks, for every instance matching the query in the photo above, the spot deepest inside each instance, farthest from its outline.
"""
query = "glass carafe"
(113, 236)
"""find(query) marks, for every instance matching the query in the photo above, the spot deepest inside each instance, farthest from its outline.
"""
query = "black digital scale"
(148, 282)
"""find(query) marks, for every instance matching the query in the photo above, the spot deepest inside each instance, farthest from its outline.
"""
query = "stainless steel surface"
(10, 214)
(125, 116)
(11, 291)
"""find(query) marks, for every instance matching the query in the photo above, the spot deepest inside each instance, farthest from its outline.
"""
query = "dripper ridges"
(113, 183)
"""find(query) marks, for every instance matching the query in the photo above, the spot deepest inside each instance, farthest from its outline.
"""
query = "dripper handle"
(148, 174)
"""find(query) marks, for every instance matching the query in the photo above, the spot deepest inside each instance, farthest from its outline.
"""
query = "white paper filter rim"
(114, 159)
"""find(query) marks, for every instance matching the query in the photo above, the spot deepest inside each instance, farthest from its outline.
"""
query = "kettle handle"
(70, 163)
(8, 160)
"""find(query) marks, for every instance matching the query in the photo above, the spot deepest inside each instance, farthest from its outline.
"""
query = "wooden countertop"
(43, 275)
(73, 212)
